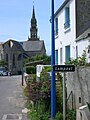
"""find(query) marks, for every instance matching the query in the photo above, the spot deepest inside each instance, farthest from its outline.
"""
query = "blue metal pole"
(53, 82)
(22, 66)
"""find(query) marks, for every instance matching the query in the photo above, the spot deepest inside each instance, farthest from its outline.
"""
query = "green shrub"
(46, 59)
(25, 92)
(33, 115)
(39, 113)
(80, 61)
(71, 114)
(44, 76)
(30, 70)
(39, 93)
(59, 92)
(19, 72)
(3, 63)
(47, 68)
(59, 116)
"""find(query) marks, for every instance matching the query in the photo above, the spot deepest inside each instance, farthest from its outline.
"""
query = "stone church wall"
(78, 83)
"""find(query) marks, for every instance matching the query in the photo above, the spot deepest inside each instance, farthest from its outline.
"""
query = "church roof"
(33, 45)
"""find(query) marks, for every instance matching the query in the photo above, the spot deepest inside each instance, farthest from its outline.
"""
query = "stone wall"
(78, 83)
(82, 16)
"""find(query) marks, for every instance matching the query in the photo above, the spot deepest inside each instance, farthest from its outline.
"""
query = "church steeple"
(33, 29)
(33, 14)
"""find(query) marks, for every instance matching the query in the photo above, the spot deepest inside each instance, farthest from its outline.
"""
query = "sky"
(15, 17)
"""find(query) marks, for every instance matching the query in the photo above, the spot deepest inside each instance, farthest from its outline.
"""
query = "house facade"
(72, 37)
(12, 50)
(70, 22)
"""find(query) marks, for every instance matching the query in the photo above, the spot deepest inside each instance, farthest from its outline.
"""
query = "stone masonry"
(78, 83)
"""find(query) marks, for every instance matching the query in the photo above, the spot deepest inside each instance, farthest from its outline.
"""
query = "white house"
(83, 43)
(70, 22)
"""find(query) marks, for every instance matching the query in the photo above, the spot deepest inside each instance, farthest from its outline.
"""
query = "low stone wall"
(78, 83)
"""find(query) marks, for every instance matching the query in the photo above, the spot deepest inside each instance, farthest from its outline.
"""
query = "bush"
(59, 92)
(44, 76)
(80, 61)
(19, 72)
(46, 59)
(30, 70)
(59, 116)
(47, 68)
(39, 94)
(71, 115)
(39, 113)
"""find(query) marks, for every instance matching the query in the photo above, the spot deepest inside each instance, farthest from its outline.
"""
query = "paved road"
(12, 99)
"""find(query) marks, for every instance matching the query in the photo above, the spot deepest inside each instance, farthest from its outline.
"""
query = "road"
(12, 99)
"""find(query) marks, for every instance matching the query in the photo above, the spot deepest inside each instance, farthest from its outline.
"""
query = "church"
(12, 50)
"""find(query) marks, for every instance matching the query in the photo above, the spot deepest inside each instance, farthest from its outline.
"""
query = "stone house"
(13, 50)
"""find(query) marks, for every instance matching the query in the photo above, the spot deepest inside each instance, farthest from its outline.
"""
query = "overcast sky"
(15, 16)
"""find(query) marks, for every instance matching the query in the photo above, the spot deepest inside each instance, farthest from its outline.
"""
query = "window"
(67, 18)
(56, 57)
(60, 55)
(67, 55)
(56, 26)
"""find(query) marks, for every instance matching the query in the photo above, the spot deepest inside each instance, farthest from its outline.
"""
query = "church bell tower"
(33, 29)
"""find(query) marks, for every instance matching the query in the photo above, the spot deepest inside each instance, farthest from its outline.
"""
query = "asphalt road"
(12, 99)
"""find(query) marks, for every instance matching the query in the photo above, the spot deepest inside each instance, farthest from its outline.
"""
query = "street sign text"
(64, 68)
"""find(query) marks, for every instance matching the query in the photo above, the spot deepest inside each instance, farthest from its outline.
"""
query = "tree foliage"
(3, 63)
(80, 61)
(46, 59)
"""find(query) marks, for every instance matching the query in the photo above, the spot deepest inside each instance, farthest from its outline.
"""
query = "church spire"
(33, 14)
(33, 29)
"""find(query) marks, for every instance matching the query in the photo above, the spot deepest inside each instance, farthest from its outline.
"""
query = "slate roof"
(17, 44)
(28, 46)
(85, 35)
(33, 45)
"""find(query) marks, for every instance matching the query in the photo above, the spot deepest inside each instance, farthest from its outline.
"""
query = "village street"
(12, 99)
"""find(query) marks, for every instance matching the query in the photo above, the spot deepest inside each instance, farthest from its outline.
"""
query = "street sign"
(64, 68)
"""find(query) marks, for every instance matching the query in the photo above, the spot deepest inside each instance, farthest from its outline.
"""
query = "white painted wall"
(39, 70)
(82, 45)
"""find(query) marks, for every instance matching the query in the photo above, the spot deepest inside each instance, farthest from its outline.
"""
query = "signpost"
(53, 82)
(64, 68)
